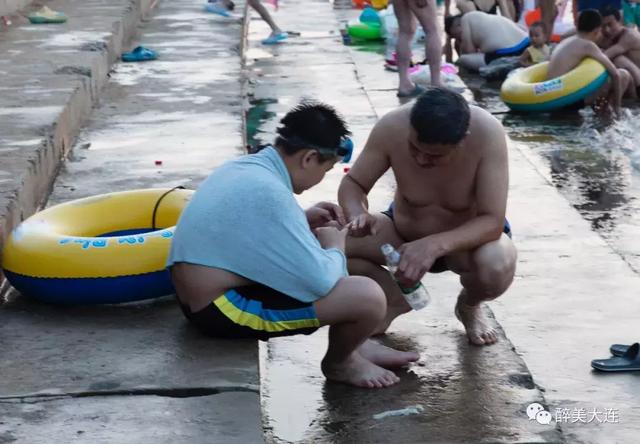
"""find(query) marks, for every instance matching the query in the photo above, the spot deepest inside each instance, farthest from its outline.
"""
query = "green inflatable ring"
(364, 31)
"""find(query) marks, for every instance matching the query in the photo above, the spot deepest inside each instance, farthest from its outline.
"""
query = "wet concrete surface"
(181, 110)
(469, 394)
(221, 418)
(140, 372)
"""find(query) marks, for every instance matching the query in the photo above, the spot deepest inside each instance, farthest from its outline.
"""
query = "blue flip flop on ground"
(273, 39)
(217, 9)
(139, 54)
(629, 361)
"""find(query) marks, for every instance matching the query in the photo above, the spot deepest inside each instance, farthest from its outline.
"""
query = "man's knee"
(496, 277)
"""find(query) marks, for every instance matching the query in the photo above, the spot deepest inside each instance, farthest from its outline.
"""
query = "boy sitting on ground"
(538, 50)
(570, 52)
(248, 262)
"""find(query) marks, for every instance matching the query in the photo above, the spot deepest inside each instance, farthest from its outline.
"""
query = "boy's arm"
(525, 59)
(595, 53)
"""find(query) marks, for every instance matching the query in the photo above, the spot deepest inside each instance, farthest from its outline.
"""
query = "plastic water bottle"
(417, 297)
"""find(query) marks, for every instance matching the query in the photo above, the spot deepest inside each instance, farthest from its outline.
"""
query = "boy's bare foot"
(476, 323)
(358, 371)
(385, 356)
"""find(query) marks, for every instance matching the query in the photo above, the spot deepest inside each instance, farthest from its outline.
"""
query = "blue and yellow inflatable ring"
(528, 91)
(98, 250)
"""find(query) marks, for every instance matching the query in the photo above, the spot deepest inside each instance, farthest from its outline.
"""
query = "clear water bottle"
(417, 297)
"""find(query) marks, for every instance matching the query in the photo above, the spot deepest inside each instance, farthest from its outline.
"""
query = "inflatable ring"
(527, 90)
(365, 31)
(98, 250)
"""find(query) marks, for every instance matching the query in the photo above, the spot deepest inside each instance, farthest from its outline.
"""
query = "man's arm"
(492, 183)
(466, 45)
(372, 163)
(616, 50)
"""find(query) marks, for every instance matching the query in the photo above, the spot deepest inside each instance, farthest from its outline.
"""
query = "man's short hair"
(611, 11)
(440, 116)
(312, 125)
(541, 25)
(449, 21)
(589, 20)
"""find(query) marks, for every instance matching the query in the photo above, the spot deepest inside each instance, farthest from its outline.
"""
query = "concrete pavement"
(139, 372)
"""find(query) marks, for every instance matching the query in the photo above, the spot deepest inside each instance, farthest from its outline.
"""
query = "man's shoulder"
(393, 123)
(484, 127)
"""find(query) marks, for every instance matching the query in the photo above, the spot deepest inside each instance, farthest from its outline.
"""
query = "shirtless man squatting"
(450, 162)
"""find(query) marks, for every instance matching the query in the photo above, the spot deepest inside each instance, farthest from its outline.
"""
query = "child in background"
(538, 50)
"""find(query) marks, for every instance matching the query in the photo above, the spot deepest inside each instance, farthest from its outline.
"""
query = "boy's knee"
(368, 297)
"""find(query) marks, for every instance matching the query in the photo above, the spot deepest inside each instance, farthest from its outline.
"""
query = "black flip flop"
(629, 361)
(619, 349)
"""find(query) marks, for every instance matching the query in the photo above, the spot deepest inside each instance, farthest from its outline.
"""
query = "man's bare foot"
(385, 356)
(358, 371)
(476, 323)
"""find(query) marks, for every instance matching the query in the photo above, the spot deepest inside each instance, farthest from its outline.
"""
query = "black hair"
(440, 116)
(589, 20)
(610, 10)
(449, 22)
(540, 25)
(312, 125)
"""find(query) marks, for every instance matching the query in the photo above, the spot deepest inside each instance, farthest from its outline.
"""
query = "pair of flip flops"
(139, 54)
(46, 15)
(625, 358)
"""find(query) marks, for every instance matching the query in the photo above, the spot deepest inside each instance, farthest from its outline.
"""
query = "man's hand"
(417, 258)
(331, 237)
(325, 214)
(363, 225)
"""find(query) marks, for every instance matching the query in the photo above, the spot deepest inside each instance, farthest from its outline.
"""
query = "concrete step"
(51, 78)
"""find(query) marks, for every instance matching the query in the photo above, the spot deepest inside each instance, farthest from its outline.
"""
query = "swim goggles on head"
(344, 150)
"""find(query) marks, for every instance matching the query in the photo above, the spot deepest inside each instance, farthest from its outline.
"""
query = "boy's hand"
(331, 237)
(325, 213)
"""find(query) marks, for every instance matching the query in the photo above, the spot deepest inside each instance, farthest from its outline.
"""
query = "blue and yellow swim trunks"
(255, 311)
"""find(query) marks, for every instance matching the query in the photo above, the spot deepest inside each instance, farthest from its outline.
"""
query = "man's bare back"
(489, 32)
